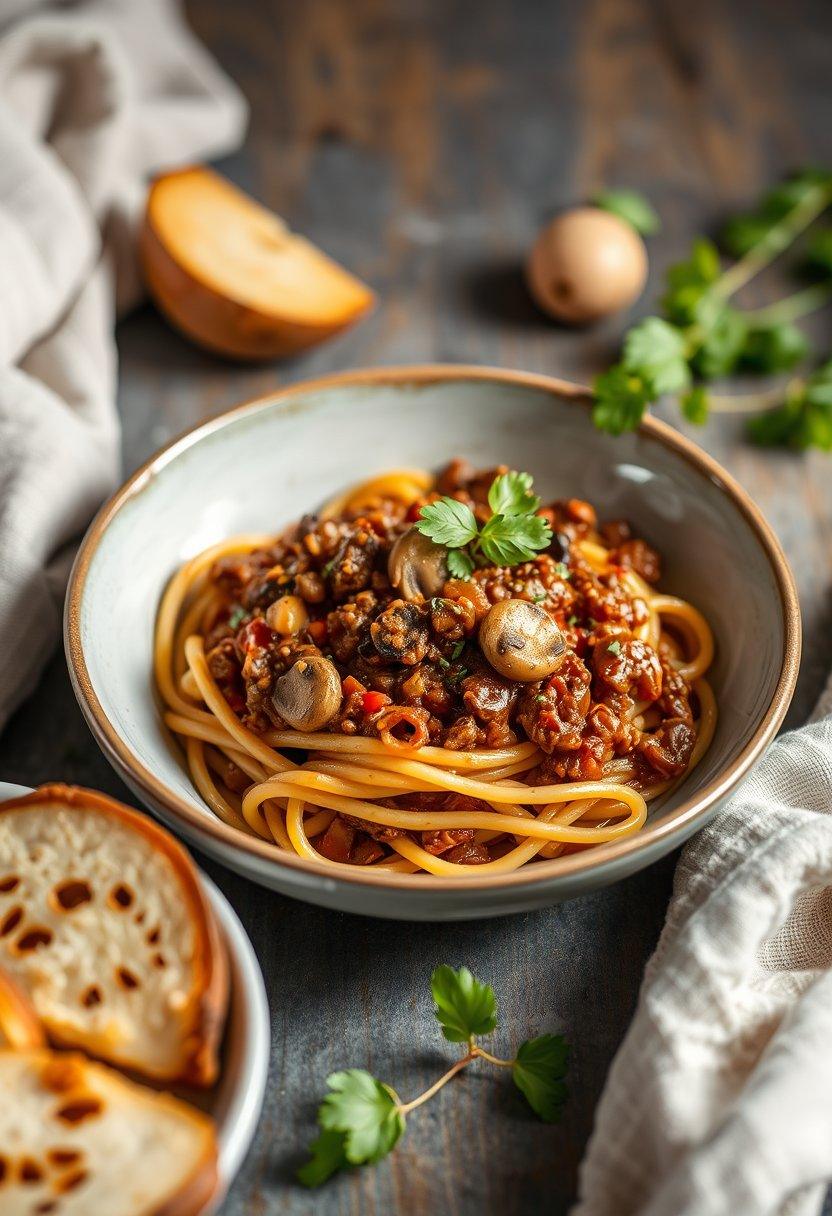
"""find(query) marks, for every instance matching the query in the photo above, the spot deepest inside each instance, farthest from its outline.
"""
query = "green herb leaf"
(688, 281)
(460, 565)
(620, 400)
(614, 647)
(457, 650)
(508, 539)
(448, 522)
(465, 1007)
(742, 233)
(631, 207)
(511, 494)
(328, 1156)
(236, 617)
(538, 1073)
(805, 418)
(725, 331)
(695, 405)
(777, 348)
(365, 1112)
(819, 253)
(656, 351)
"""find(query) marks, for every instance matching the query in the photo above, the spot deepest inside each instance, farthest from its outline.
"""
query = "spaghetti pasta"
(429, 761)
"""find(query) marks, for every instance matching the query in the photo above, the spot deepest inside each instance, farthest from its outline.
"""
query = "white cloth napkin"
(94, 97)
(720, 1097)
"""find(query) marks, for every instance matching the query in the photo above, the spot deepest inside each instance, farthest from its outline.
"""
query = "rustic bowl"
(263, 464)
(237, 1098)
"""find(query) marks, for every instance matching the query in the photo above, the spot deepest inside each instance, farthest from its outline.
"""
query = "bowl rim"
(678, 823)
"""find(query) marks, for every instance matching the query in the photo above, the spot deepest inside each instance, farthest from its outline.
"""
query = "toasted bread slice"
(77, 1139)
(105, 925)
(231, 276)
(20, 1027)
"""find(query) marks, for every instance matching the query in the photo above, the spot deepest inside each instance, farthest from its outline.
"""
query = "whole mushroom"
(308, 695)
(417, 567)
(586, 264)
(521, 641)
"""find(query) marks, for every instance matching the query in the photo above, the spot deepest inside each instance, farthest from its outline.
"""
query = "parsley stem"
(750, 403)
(798, 305)
(776, 241)
(486, 1055)
(404, 1108)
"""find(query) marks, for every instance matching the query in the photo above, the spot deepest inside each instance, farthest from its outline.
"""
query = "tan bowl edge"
(675, 823)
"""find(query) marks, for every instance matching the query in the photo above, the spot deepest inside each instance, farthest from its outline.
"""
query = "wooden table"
(423, 144)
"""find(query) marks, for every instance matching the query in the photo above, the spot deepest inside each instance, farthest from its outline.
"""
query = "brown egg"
(586, 264)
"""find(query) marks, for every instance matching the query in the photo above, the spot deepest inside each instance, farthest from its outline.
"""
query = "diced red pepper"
(372, 702)
(255, 633)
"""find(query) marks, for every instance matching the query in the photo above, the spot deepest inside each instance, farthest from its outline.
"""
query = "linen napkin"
(720, 1097)
(94, 97)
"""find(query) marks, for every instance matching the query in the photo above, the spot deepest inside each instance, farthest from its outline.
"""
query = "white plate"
(236, 1100)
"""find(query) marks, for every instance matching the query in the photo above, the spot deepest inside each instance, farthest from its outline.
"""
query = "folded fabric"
(93, 99)
(718, 1100)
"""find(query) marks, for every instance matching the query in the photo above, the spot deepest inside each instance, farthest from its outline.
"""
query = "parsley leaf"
(695, 405)
(508, 539)
(805, 418)
(631, 207)
(511, 494)
(460, 564)
(620, 400)
(328, 1156)
(464, 1006)
(656, 351)
(687, 282)
(448, 522)
(513, 534)
(614, 647)
(725, 330)
(538, 1073)
(365, 1112)
(819, 253)
(776, 348)
(237, 616)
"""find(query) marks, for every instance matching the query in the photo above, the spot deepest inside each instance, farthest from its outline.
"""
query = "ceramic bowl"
(265, 463)
(237, 1098)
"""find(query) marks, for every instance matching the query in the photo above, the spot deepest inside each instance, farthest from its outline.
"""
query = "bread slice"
(20, 1026)
(77, 1139)
(105, 925)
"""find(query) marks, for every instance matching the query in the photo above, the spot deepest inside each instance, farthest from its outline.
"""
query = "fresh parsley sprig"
(514, 533)
(631, 207)
(702, 335)
(362, 1119)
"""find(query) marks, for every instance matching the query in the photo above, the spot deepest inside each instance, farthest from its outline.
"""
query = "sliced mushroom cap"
(308, 695)
(521, 641)
(417, 567)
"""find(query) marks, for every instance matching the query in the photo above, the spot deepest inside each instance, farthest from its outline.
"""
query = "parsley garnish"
(805, 418)
(362, 1119)
(702, 335)
(236, 617)
(457, 650)
(614, 648)
(513, 534)
(631, 207)
(538, 599)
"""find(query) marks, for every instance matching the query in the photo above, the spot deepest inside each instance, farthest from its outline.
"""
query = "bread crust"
(20, 1026)
(203, 1182)
(208, 1001)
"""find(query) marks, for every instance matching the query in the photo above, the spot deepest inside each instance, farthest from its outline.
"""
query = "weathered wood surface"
(423, 144)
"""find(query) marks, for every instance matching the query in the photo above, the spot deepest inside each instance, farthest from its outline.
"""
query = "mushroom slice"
(417, 567)
(308, 695)
(521, 641)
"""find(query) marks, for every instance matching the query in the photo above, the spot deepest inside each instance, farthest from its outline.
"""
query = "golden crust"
(207, 1005)
(20, 1026)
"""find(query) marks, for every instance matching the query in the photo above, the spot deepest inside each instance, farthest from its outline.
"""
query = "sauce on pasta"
(340, 693)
